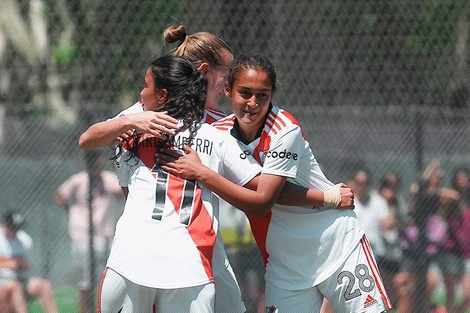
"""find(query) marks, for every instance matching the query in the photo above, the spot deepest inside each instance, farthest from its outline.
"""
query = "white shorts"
(114, 287)
(112, 292)
(227, 292)
(355, 287)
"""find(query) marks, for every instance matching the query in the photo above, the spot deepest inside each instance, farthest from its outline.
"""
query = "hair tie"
(181, 49)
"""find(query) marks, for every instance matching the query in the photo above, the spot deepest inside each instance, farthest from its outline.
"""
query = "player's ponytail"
(186, 95)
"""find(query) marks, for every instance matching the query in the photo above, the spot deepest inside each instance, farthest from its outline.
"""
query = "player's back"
(167, 220)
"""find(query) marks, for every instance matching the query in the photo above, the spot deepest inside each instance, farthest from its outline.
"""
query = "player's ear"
(227, 90)
(162, 96)
(203, 67)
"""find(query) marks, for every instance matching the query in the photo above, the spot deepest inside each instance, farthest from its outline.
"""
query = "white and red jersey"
(210, 115)
(166, 235)
(135, 108)
(301, 247)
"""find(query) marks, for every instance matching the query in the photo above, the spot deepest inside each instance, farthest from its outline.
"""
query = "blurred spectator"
(14, 265)
(461, 183)
(460, 224)
(375, 218)
(389, 188)
(12, 297)
(73, 196)
(423, 230)
(448, 251)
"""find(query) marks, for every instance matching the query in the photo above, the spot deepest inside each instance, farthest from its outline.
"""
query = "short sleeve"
(284, 153)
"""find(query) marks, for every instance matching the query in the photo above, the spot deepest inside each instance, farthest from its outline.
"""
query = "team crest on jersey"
(271, 309)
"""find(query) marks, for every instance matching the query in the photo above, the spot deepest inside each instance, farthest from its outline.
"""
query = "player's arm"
(59, 198)
(106, 132)
(254, 202)
(13, 263)
(255, 198)
(339, 196)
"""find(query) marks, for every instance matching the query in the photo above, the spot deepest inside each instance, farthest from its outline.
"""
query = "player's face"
(250, 95)
(148, 95)
(216, 79)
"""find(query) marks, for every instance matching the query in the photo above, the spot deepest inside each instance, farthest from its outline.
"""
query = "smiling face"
(250, 95)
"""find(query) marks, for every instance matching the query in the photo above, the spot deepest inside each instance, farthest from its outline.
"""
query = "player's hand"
(125, 136)
(183, 166)
(15, 263)
(157, 124)
(21, 263)
(347, 197)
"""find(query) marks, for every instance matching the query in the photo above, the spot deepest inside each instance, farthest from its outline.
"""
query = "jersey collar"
(237, 133)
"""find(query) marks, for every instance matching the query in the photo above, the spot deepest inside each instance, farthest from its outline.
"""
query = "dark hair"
(390, 179)
(186, 94)
(186, 88)
(13, 220)
(366, 172)
(463, 190)
(202, 46)
(255, 61)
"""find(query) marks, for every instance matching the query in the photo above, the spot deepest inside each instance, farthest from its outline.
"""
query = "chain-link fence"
(380, 84)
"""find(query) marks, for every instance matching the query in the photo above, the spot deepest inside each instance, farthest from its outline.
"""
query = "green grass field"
(66, 302)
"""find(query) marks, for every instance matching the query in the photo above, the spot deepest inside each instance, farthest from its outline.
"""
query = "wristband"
(332, 197)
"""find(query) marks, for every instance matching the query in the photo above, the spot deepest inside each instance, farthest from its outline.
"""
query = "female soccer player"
(164, 240)
(309, 254)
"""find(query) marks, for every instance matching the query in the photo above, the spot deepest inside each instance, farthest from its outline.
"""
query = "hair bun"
(175, 33)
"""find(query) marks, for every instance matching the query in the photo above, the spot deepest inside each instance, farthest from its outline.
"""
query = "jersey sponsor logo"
(244, 154)
(281, 155)
(370, 301)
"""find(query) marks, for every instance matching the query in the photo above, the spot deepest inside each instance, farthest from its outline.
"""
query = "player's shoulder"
(214, 134)
(135, 108)
(226, 123)
(212, 115)
(210, 129)
(279, 119)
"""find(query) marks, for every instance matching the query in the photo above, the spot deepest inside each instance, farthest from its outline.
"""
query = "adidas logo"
(370, 301)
